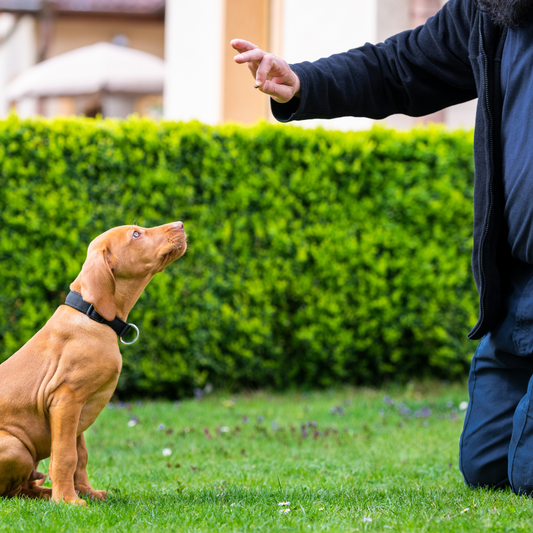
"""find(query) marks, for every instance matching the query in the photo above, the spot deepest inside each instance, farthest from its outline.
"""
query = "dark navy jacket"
(453, 58)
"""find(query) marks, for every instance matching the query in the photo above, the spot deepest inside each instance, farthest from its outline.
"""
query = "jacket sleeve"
(416, 72)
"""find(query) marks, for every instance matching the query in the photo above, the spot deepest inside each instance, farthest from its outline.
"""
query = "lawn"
(343, 460)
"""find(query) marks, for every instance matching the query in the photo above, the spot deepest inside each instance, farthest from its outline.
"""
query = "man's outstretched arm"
(415, 73)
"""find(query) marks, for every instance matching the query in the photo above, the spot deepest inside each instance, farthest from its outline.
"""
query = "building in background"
(201, 80)
(32, 31)
(103, 78)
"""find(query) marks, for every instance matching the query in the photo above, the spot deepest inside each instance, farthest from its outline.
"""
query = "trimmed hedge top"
(315, 257)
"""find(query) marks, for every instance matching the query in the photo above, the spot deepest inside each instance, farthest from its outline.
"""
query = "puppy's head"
(127, 255)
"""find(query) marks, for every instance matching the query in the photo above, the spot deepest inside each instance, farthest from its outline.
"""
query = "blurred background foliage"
(315, 257)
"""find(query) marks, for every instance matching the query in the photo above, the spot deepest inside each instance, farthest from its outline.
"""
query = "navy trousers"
(496, 447)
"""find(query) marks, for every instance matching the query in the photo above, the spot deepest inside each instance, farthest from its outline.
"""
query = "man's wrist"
(285, 112)
(297, 85)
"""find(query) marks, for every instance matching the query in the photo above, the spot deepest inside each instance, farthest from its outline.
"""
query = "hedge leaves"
(314, 258)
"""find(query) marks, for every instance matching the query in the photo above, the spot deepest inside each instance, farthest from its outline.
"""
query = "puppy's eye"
(136, 234)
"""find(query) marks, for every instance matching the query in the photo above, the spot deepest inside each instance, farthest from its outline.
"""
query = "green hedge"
(315, 257)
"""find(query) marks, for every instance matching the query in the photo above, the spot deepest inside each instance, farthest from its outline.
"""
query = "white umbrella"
(99, 67)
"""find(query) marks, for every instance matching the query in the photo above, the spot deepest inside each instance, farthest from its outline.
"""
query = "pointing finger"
(252, 55)
(242, 46)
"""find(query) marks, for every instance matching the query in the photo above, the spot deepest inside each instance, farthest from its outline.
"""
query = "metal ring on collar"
(136, 336)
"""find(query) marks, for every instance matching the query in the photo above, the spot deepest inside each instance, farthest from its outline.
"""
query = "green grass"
(363, 466)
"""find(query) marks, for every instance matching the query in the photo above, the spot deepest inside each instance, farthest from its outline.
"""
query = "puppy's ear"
(98, 283)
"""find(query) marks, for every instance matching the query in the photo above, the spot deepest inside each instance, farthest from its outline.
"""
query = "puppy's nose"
(178, 225)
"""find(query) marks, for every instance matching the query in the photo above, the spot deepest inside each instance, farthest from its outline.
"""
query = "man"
(469, 48)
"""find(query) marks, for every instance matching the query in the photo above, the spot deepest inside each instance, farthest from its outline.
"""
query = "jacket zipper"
(491, 162)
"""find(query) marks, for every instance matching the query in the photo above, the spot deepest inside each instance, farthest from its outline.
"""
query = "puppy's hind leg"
(16, 465)
(33, 488)
(37, 476)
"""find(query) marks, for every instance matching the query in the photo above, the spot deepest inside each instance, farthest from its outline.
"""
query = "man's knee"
(521, 478)
(521, 488)
(479, 471)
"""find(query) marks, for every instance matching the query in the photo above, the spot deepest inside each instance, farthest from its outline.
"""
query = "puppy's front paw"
(93, 494)
(75, 501)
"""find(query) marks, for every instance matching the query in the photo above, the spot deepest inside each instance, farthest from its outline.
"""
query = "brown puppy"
(55, 386)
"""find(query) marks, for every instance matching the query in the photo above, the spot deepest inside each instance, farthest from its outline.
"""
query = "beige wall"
(250, 21)
(71, 32)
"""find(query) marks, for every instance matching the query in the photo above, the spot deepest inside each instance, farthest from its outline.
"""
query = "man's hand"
(273, 76)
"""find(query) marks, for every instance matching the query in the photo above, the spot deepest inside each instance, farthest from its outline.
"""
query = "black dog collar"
(121, 328)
